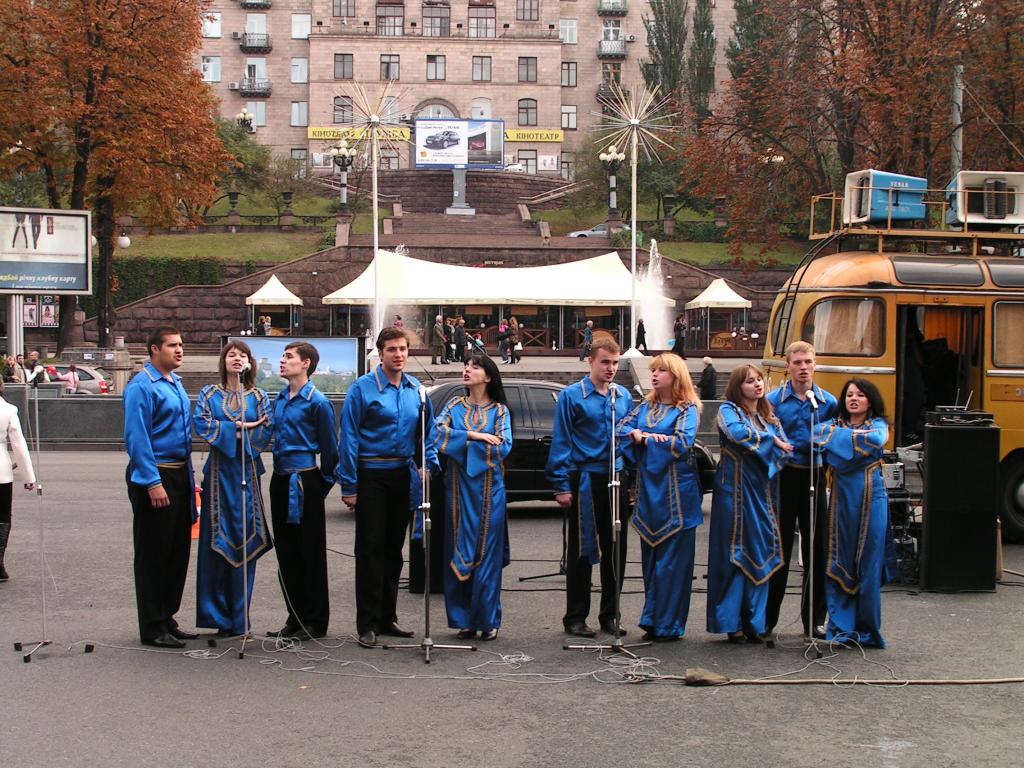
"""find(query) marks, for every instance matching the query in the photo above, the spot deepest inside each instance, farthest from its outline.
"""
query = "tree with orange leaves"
(104, 99)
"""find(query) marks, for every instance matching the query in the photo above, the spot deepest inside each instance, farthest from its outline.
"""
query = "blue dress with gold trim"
(667, 511)
(476, 530)
(745, 545)
(221, 600)
(857, 526)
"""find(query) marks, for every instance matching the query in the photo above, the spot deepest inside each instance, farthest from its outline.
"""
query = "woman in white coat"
(10, 427)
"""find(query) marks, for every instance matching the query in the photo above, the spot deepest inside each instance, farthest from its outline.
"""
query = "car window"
(84, 375)
(542, 401)
(520, 418)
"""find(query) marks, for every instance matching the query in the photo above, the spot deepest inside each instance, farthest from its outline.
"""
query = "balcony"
(611, 49)
(255, 42)
(612, 7)
(264, 4)
(254, 86)
(604, 93)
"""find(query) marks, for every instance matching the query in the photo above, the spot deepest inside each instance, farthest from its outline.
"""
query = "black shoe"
(393, 630)
(368, 639)
(580, 629)
(181, 634)
(286, 631)
(490, 634)
(466, 634)
(753, 638)
(608, 627)
(302, 634)
(648, 636)
(4, 576)
(736, 639)
(667, 638)
(166, 640)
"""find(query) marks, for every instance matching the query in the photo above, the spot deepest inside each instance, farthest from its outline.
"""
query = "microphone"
(423, 395)
(813, 400)
(246, 367)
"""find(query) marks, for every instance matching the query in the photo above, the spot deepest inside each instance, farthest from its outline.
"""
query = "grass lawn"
(257, 205)
(237, 247)
(566, 220)
(703, 254)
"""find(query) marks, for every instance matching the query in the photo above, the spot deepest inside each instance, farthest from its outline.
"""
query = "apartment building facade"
(541, 66)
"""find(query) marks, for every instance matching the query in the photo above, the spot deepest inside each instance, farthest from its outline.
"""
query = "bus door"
(940, 364)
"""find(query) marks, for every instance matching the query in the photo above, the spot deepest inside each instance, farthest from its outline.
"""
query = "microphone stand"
(245, 539)
(810, 639)
(45, 641)
(616, 645)
(427, 645)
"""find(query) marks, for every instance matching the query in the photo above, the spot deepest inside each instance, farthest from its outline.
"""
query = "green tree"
(700, 64)
(666, 45)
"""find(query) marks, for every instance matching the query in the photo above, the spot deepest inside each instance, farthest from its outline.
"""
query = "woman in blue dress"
(230, 535)
(659, 435)
(474, 433)
(851, 445)
(745, 546)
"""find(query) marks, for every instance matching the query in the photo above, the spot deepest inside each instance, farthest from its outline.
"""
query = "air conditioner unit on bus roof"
(880, 197)
(986, 197)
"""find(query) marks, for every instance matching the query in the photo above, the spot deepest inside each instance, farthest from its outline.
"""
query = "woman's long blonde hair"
(683, 391)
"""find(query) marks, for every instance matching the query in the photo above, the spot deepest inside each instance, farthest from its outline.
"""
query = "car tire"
(1011, 512)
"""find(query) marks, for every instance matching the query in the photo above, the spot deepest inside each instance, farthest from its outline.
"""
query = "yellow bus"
(933, 316)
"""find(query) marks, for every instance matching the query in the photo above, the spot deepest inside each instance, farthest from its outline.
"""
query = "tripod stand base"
(560, 572)
(427, 646)
(616, 646)
(36, 645)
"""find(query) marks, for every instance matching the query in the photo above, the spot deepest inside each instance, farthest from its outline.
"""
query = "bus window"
(854, 327)
(1008, 327)
(780, 328)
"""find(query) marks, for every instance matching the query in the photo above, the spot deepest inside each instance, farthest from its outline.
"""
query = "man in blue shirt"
(796, 403)
(158, 438)
(578, 469)
(379, 479)
(303, 427)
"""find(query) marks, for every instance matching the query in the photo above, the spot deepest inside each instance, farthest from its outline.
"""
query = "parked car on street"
(91, 380)
(444, 139)
(598, 230)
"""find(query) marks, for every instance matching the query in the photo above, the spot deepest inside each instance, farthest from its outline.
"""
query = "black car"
(444, 139)
(533, 417)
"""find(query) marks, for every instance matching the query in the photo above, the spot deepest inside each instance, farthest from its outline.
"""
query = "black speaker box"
(961, 504)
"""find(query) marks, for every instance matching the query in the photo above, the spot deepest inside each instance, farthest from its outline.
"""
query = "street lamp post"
(611, 160)
(244, 119)
(343, 156)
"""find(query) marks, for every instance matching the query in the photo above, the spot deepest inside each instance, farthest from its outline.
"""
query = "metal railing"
(255, 4)
(255, 86)
(612, 7)
(255, 41)
(612, 48)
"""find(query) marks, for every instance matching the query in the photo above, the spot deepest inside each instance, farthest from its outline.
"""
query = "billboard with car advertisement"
(44, 250)
(450, 143)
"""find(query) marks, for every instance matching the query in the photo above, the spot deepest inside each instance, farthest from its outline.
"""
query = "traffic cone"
(199, 507)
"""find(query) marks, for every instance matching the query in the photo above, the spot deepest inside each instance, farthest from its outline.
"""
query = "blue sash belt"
(292, 464)
(589, 546)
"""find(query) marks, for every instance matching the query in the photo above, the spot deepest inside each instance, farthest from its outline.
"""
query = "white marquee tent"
(275, 298)
(717, 296)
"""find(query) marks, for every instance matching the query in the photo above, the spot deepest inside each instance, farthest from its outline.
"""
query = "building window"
(435, 67)
(389, 160)
(300, 113)
(480, 108)
(437, 20)
(299, 163)
(569, 117)
(389, 66)
(568, 166)
(344, 7)
(569, 74)
(390, 20)
(611, 72)
(343, 66)
(528, 114)
(481, 69)
(389, 110)
(211, 69)
(302, 23)
(343, 109)
(527, 10)
(300, 70)
(256, 23)
(612, 29)
(211, 24)
(482, 21)
(527, 69)
(528, 159)
(258, 109)
(567, 32)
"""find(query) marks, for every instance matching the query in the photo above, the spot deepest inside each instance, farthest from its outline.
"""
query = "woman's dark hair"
(249, 377)
(495, 389)
(876, 405)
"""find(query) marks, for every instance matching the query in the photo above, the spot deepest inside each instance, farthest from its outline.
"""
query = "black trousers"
(6, 496)
(163, 543)
(794, 511)
(302, 552)
(578, 571)
(382, 519)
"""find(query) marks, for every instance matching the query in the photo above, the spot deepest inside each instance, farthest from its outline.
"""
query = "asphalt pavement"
(519, 701)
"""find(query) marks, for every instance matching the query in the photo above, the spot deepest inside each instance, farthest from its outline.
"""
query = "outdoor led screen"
(44, 251)
(340, 360)
(474, 144)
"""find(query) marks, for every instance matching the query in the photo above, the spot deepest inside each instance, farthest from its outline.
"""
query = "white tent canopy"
(718, 295)
(273, 293)
(598, 281)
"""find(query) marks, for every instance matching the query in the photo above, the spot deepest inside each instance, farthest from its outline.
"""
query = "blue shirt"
(157, 424)
(380, 427)
(795, 415)
(304, 427)
(582, 430)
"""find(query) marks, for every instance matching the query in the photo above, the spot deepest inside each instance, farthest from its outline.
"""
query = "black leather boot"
(5, 533)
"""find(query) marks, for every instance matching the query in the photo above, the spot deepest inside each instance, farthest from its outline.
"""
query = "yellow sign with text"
(551, 135)
(337, 133)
